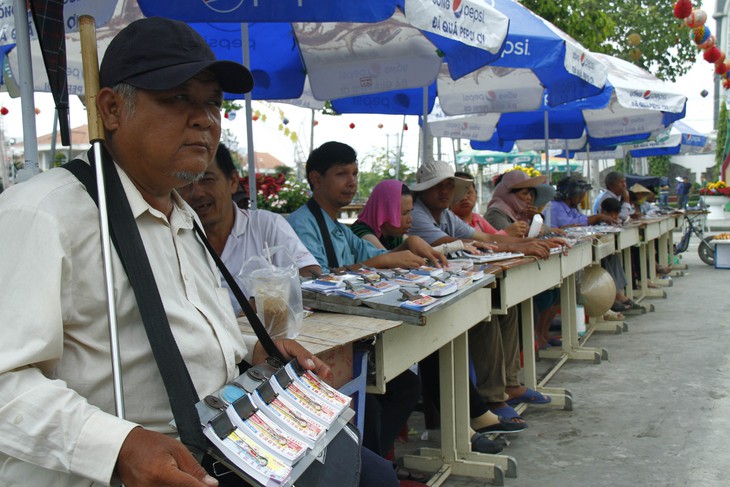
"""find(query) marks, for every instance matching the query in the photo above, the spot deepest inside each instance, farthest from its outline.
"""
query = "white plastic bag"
(274, 283)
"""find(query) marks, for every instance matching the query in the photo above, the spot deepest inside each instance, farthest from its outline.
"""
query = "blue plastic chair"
(356, 387)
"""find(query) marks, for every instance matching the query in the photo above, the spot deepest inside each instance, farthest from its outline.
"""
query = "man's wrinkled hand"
(152, 459)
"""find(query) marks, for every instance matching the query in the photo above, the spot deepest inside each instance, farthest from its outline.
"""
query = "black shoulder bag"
(179, 386)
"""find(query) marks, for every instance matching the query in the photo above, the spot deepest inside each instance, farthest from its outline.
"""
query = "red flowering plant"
(718, 188)
(276, 193)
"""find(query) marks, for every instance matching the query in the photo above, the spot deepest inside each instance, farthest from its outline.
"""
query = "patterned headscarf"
(505, 200)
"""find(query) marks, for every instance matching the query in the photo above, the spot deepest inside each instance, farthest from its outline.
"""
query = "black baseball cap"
(159, 54)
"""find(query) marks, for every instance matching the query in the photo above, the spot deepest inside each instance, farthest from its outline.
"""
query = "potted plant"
(716, 196)
(277, 194)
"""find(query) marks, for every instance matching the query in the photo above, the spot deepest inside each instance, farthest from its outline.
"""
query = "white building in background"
(49, 155)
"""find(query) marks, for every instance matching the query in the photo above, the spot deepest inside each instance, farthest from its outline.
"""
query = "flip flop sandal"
(613, 316)
(631, 305)
(504, 426)
(508, 413)
(530, 396)
(481, 444)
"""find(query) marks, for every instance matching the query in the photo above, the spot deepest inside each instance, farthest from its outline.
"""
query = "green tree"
(623, 164)
(663, 46)
(375, 167)
(659, 165)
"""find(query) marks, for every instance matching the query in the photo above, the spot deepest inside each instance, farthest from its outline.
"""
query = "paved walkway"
(657, 413)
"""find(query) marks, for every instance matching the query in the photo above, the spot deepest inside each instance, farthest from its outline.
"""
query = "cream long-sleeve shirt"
(57, 423)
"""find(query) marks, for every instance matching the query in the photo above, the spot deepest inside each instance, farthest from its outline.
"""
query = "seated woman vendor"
(518, 198)
(384, 221)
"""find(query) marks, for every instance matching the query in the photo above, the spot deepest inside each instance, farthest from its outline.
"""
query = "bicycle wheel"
(707, 251)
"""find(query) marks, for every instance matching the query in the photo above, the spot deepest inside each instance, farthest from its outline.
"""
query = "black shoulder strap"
(253, 319)
(176, 378)
(332, 262)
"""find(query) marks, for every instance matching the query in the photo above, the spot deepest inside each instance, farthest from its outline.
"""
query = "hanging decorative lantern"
(405, 126)
(682, 9)
(352, 125)
(231, 115)
(708, 43)
(4, 111)
(704, 93)
(285, 121)
(380, 125)
(712, 54)
(37, 111)
(726, 83)
(635, 54)
(720, 68)
(700, 34)
(696, 18)
(315, 123)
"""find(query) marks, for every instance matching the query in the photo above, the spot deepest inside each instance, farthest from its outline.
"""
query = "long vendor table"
(443, 328)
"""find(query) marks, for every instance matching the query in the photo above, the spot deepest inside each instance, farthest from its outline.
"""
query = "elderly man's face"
(438, 197)
(171, 136)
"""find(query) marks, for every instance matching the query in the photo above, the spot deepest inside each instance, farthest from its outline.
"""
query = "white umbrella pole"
(547, 163)
(27, 100)
(311, 132)
(424, 125)
(400, 148)
(90, 59)
(547, 145)
(249, 124)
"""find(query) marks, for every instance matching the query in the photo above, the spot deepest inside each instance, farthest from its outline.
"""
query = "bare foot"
(486, 419)
(515, 391)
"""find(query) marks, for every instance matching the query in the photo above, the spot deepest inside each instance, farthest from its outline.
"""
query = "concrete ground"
(656, 413)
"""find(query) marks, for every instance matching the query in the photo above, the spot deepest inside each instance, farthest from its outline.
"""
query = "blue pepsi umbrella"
(633, 107)
(537, 60)
(346, 59)
(268, 11)
(342, 59)
(679, 139)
